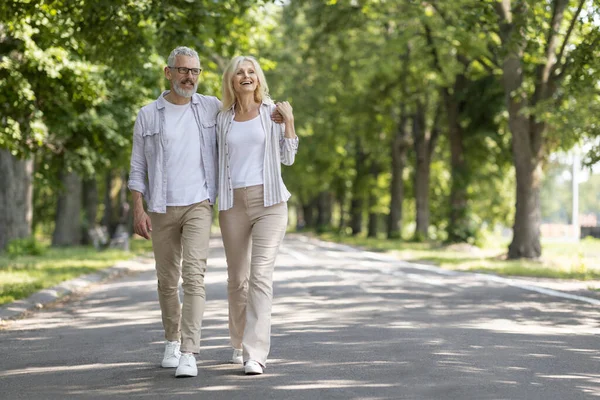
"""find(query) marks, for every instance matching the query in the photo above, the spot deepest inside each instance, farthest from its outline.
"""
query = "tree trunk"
(356, 208)
(425, 139)
(67, 230)
(358, 188)
(526, 229)
(16, 192)
(373, 225)
(324, 206)
(373, 221)
(400, 145)
(339, 198)
(458, 226)
(107, 217)
(128, 201)
(307, 213)
(90, 208)
(526, 147)
(341, 223)
(399, 154)
(422, 172)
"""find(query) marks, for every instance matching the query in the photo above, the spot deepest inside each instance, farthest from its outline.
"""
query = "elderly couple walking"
(187, 150)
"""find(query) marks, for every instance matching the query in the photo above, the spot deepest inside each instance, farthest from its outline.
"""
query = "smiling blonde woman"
(252, 203)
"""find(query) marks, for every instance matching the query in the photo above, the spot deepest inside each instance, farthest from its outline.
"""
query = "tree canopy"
(435, 118)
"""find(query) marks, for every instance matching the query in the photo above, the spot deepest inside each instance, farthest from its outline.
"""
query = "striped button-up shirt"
(149, 156)
(278, 150)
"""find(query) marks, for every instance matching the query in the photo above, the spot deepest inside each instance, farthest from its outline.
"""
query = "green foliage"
(25, 247)
(73, 75)
(79, 80)
(341, 65)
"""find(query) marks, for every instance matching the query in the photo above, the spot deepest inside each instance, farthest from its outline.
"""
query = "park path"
(347, 324)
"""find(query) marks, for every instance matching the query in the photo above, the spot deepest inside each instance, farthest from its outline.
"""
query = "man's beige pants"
(252, 234)
(180, 242)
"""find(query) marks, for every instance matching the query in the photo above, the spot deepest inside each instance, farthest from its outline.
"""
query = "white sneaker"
(187, 366)
(238, 356)
(253, 368)
(172, 354)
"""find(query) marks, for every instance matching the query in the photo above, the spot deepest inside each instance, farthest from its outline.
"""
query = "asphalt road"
(346, 325)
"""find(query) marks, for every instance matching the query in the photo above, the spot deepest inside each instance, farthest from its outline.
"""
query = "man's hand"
(141, 221)
(276, 117)
(141, 224)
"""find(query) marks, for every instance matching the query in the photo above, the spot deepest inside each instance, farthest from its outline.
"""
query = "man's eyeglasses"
(184, 70)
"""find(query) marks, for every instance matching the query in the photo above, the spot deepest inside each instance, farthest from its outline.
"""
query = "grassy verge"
(579, 261)
(24, 275)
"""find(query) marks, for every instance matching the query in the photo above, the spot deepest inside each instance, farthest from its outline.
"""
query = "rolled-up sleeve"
(287, 147)
(137, 173)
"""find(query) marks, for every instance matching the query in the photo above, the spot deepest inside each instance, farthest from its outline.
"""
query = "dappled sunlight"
(595, 378)
(221, 388)
(61, 368)
(531, 327)
(342, 328)
(330, 384)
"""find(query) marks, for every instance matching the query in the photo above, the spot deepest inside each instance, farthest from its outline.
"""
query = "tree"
(541, 47)
(15, 197)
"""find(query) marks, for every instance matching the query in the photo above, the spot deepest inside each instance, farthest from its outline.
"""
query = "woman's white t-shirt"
(246, 142)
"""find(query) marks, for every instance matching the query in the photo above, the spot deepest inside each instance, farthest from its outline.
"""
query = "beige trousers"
(180, 242)
(252, 234)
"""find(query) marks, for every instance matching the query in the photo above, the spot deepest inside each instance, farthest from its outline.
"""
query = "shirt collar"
(264, 103)
(160, 102)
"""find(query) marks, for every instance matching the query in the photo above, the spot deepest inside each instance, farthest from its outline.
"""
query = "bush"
(25, 247)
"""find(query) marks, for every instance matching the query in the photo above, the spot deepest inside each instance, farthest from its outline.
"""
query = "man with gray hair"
(173, 167)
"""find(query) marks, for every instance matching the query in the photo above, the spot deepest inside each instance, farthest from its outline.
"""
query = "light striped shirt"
(149, 158)
(278, 150)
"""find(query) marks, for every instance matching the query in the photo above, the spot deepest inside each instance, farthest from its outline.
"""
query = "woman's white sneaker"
(238, 356)
(253, 368)
(172, 354)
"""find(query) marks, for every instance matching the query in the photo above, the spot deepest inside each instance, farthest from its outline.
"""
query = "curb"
(49, 295)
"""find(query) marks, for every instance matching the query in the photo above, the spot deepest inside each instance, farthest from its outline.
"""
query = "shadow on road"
(343, 329)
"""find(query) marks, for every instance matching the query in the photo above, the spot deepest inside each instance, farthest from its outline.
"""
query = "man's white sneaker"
(187, 366)
(172, 354)
(253, 368)
(238, 356)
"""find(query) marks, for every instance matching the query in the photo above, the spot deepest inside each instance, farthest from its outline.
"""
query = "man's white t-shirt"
(186, 181)
(246, 142)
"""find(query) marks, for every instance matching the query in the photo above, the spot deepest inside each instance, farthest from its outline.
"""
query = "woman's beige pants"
(252, 234)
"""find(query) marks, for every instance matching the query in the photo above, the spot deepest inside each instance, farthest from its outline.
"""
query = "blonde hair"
(228, 94)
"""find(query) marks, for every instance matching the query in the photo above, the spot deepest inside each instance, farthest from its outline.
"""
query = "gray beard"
(182, 92)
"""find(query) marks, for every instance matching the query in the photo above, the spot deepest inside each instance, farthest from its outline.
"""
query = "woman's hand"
(285, 109)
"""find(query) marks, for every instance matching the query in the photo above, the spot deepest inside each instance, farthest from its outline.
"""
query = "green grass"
(24, 275)
(580, 261)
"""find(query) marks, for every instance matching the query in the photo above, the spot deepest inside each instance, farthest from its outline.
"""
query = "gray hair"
(181, 51)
